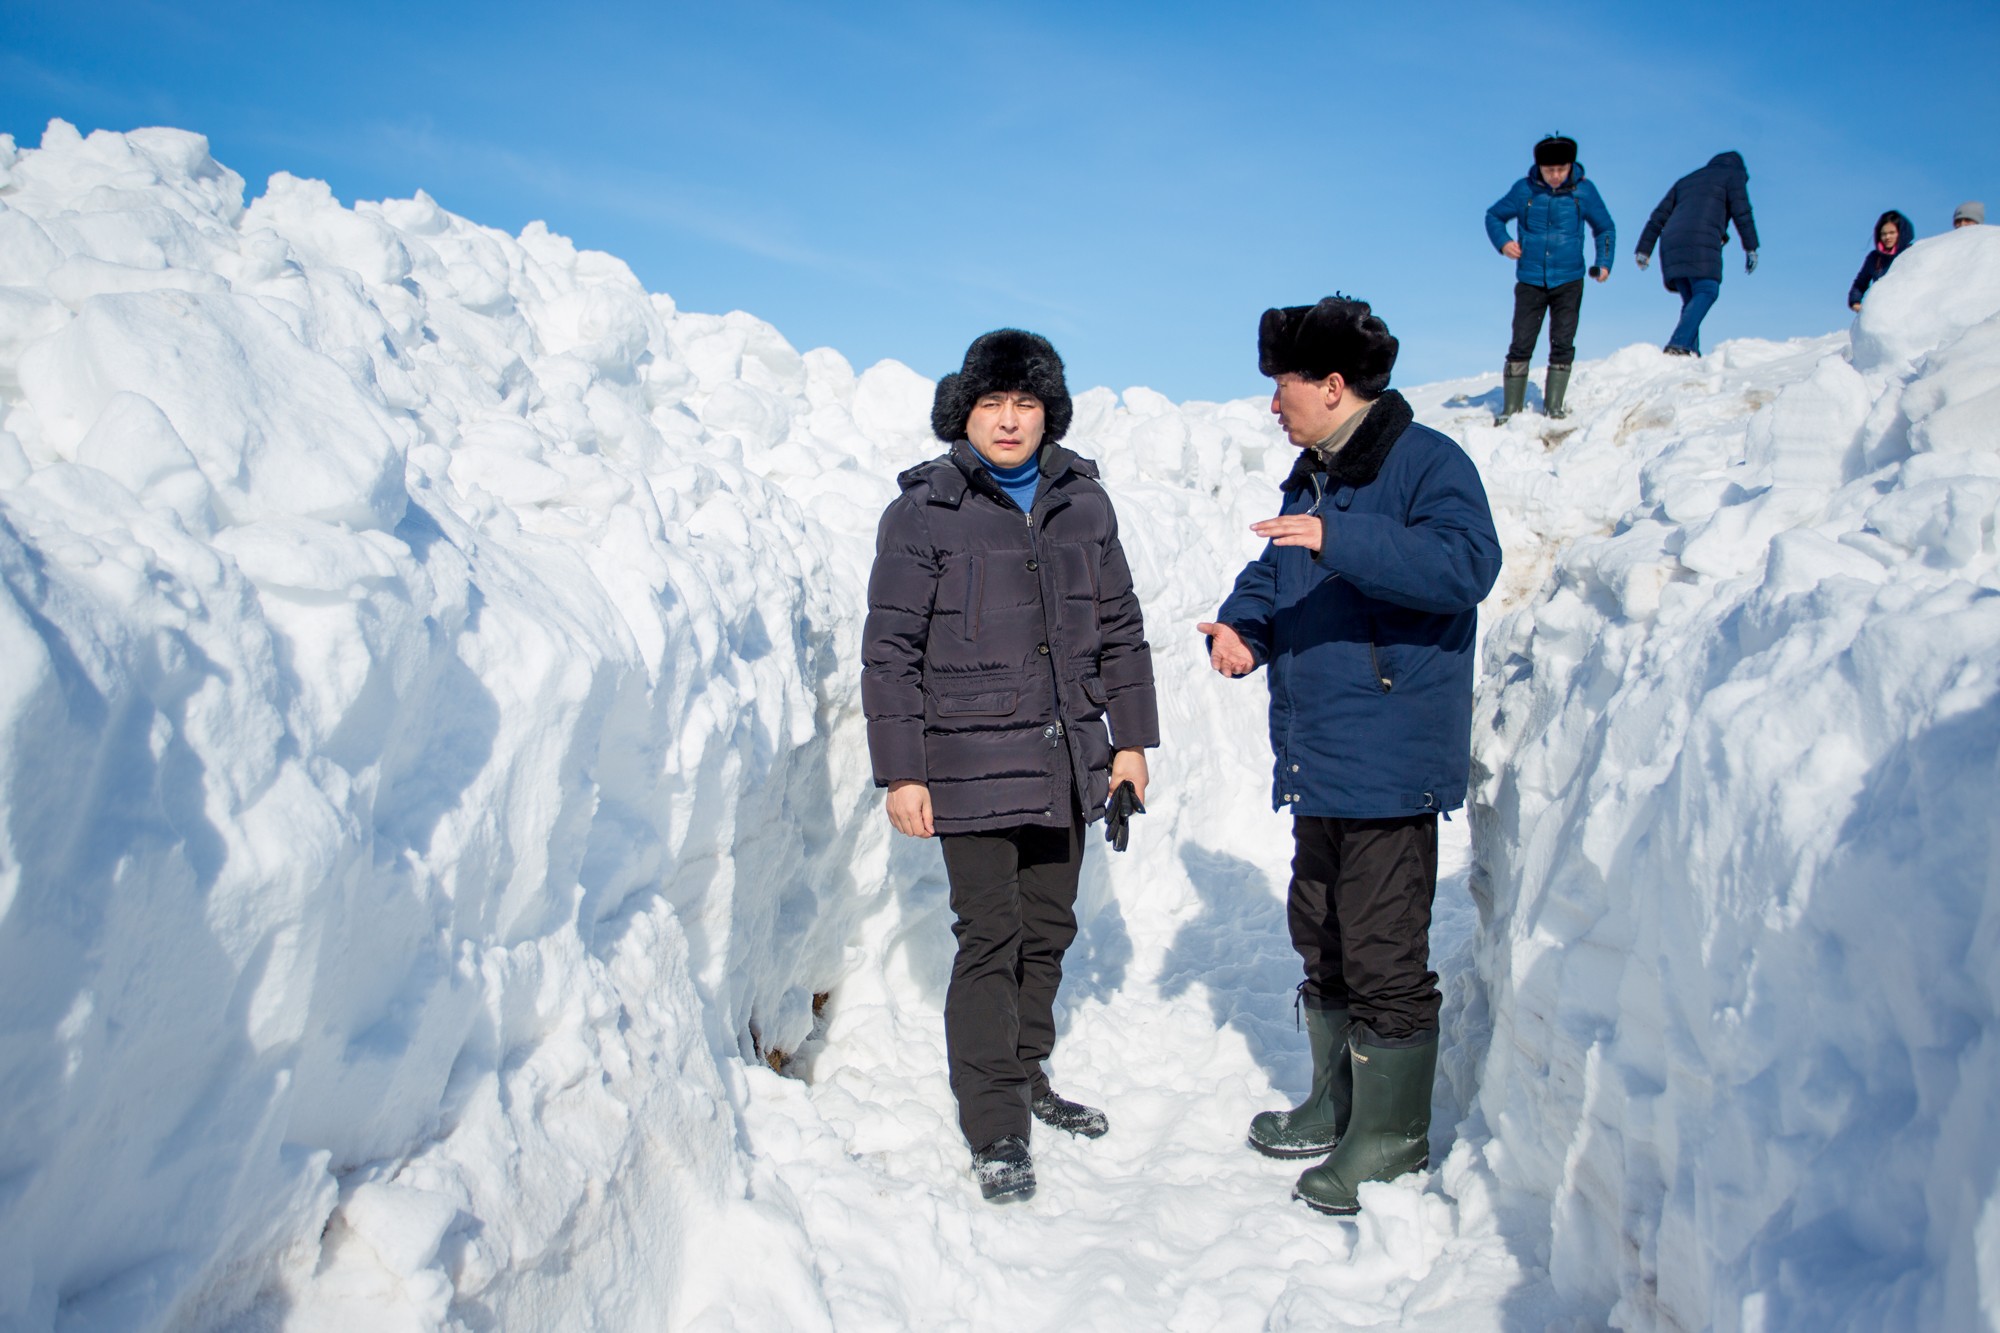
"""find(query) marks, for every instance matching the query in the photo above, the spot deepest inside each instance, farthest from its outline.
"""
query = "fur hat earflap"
(1003, 361)
(1555, 151)
(1340, 336)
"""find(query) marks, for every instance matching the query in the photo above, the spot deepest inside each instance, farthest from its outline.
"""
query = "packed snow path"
(432, 783)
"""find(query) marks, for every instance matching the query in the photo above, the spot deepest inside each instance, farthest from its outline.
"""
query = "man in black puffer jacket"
(1692, 225)
(1003, 634)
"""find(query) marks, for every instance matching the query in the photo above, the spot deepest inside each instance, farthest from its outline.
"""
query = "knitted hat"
(1340, 336)
(1003, 361)
(1969, 211)
(1555, 151)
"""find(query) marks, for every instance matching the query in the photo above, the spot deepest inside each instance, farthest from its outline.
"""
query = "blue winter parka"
(1551, 220)
(1369, 644)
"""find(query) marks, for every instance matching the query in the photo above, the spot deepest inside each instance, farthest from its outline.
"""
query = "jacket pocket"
(975, 593)
(993, 703)
(1383, 680)
(1093, 689)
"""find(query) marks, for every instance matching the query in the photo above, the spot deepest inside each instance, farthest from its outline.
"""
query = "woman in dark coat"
(1691, 226)
(1893, 235)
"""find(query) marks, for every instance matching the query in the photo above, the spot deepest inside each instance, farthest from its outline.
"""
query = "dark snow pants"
(1014, 892)
(1360, 915)
(1563, 305)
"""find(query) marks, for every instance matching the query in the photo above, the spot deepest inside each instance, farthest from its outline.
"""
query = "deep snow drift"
(432, 783)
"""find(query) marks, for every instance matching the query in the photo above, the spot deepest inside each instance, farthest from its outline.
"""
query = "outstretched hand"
(1305, 530)
(1227, 652)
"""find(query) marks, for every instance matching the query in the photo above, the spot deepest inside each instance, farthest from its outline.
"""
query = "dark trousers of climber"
(1563, 305)
(1360, 915)
(1014, 894)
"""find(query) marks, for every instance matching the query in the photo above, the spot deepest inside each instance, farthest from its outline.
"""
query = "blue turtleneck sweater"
(1019, 482)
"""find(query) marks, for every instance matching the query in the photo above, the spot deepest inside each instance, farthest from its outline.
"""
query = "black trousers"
(1014, 893)
(1563, 305)
(1360, 915)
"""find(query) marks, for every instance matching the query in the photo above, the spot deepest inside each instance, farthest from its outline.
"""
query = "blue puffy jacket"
(1370, 643)
(1552, 221)
(1692, 222)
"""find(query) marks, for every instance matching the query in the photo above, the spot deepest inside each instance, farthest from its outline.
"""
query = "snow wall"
(1736, 853)
(432, 778)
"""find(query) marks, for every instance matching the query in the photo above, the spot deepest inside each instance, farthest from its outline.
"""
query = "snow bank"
(1735, 844)
(416, 747)
(431, 785)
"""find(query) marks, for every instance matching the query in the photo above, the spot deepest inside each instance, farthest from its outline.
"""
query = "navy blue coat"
(1551, 223)
(1370, 644)
(1692, 223)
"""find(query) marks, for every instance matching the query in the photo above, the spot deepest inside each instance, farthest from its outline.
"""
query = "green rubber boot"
(1514, 387)
(1389, 1131)
(1553, 391)
(1314, 1125)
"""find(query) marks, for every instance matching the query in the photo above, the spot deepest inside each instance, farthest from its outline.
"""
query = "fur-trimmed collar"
(961, 469)
(1361, 458)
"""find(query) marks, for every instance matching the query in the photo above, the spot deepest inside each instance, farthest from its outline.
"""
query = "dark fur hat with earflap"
(1340, 336)
(1555, 151)
(1005, 361)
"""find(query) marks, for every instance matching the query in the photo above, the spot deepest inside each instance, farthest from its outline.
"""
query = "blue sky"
(1137, 181)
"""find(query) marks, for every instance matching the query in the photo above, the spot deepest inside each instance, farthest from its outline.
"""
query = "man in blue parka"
(1691, 225)
(1363, 607)
(1551, 206)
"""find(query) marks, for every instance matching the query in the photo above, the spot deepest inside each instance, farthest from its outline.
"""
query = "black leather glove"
(1118, 812)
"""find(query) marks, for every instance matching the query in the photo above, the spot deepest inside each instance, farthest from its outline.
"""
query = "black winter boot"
(1514, 388)
(1005, 1170)
(1388, 1132)
(1068, 1116)
(1314, 1125)
(1553, 391)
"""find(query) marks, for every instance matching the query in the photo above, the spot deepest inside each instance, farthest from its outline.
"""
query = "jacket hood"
(1733, 160)
(1905, 233)
(1535, 181)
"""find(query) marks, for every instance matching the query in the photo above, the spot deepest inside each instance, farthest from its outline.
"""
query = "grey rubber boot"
(1553, 391)
(1388, 1133)
(1514, 386)
(1314, 1125)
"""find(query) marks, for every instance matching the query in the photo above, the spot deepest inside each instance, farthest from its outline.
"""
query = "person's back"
(1691, 225)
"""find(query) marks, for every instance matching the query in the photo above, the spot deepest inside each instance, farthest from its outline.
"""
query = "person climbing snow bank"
(1550, 206)
(1691, 225)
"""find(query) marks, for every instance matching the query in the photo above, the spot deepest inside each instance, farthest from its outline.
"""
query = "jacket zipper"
(1059, 734)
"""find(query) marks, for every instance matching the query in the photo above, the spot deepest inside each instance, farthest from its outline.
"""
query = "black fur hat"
(1555, 151)
(1008, 361)
(1339, 335)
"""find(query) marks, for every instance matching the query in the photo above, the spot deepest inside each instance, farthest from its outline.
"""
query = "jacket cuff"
(896, 749)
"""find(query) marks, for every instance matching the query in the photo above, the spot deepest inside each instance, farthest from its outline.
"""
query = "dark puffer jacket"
(1692, 223)
(998, 644)
(1552, 220)
(1876, 262)
(1370, 643)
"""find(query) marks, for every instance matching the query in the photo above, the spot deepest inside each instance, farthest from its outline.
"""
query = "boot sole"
(1286, 1154)
(1015, 1194)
